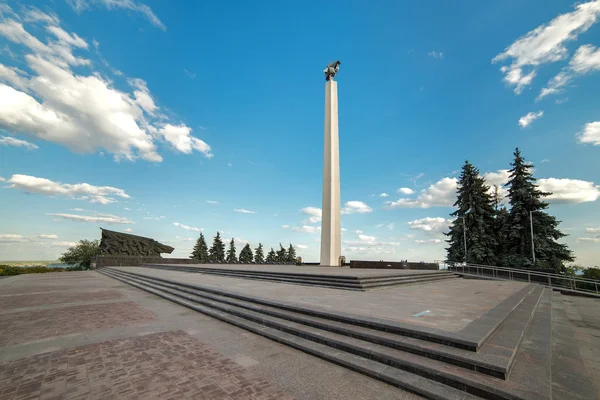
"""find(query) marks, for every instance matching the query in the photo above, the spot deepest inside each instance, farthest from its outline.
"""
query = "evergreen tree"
(271, 256)
(246, 255)
(259, 257)
(217, 251)
(291, 254)
(526, 198)
(200, 251)
(475, 213)
(231, 257)
(281, 254)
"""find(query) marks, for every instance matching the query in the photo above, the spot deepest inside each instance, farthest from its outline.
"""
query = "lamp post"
(532, 245)
(465, 237)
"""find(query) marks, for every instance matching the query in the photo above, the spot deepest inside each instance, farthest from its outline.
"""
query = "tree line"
(217, 253)
(500, 235)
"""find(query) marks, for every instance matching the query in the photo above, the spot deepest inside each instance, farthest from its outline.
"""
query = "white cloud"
(383, 195)
(429, 224)
(12, 238)
(212, 202)
(81, 191)
(528, 118)
(49, 236)
(188, 228)
(34, 14)
(128, 230)
(367, 238)
(244, 211)
(2, 179)
(355, 207)
(185, 239)
(428, 241)
(314, 214)
(107, 218)
(80, 5)
(127, 209)
(545, 160)
(302, 246)
(589, 239)
(436, 54)
(11, 141)
(545, 44)
(498, 178)
(569, 191)
(285, 226)
(405, 190)
(358, 231)
(592, 230)
(63, 244)
(82, 111)
(591, 133)
(307, 229)
(585, 60)
(440, 194)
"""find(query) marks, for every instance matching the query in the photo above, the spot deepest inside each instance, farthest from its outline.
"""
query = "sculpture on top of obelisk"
(331, 70)
(331, 233)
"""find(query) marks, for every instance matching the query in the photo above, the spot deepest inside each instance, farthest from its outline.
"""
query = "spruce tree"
(246, 255)
(271, 256)
(281, 254)
(231, 257)
(291, 254)
(217, 251)
(200, 251)
(259, 257)
(475, 212)
(526, 198)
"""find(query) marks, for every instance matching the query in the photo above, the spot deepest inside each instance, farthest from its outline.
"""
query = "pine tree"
(231, 257)
(246, 255)
(291, 254)
(217, 251)
(526, 198)
(281, 254)
(474, 212)
(271, 256)
(259, 257)
(200, 251)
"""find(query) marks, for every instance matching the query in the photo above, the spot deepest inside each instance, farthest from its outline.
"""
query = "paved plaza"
(83, 335)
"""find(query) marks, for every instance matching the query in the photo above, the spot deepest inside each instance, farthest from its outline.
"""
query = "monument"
(125, 244)
(331, 234)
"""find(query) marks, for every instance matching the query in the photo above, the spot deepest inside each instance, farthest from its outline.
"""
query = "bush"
(7, 270)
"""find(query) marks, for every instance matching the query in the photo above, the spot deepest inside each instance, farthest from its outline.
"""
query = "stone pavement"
(85, 335)
(584, 314)
(447, 305)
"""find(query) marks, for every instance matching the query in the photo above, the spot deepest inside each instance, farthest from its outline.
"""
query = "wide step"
(359, 347)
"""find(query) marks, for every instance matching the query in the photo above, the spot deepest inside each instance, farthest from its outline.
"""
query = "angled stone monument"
(331, 234)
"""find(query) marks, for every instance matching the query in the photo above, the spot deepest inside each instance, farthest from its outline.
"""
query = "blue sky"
(165, 119)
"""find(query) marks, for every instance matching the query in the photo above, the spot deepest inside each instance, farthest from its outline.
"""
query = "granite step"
(464, 379)
(400, 378)
(494, 359)
(471, 338)
(350, 283)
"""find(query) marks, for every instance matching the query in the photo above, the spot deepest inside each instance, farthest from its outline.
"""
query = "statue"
(124, 244)
(331, 70)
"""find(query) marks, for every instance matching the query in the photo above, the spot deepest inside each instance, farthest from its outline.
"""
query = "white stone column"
(331, 240)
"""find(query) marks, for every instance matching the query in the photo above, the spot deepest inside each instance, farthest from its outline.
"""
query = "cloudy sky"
(166, 120)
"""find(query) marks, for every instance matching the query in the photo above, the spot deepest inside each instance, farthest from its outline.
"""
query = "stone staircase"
(332, 282)
(506, 354)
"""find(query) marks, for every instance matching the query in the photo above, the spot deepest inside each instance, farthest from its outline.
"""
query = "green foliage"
(475, 213)
(9, 270)
(217, 251)
(231, 257)
(525, 197)
(81, 254)
(246, 255)
(271, 256)
(259, 257)
(281, 254)
(291, 254)
(200, 250)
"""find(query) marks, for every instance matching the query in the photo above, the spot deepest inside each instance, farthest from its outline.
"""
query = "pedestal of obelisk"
(331, 240)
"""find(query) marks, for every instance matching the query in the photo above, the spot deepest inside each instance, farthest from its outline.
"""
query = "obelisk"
(331, 240)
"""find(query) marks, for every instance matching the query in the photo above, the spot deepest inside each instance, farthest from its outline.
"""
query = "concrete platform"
(85, 335)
